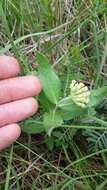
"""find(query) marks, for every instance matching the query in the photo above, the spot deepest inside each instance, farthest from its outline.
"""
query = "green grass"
(73, 35)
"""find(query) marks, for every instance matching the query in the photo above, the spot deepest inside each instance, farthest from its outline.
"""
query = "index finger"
(9, 67)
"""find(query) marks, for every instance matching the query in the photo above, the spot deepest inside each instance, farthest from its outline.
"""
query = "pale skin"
(16, 99)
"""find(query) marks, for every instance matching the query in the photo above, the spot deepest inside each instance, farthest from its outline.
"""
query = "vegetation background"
(73, 36)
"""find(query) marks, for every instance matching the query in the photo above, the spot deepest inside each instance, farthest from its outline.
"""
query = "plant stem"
(99, 121)
(84, 127)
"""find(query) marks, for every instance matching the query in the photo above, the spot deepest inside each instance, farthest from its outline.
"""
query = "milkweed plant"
(56, 109)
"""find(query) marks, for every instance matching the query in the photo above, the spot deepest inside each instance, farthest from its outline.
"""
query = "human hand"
(16, 102)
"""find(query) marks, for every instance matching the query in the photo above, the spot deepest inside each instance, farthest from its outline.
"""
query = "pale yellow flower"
(79, 93)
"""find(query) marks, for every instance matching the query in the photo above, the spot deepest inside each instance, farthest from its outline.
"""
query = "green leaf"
(52, 120)
(69, 110)
(44, 102)
(49, 79)
(31, 126)
(50, 142)
(97, 96)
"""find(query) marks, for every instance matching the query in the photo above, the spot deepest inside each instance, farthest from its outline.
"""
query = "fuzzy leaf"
(50, 142)
(69, 110)
(49, 79)
(51, 121)
(31, 126)
(44, 102)
(97, 96)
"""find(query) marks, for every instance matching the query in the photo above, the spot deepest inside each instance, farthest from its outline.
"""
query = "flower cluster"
(80, 94)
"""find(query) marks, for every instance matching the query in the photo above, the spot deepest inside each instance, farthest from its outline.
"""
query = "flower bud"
(80, 94)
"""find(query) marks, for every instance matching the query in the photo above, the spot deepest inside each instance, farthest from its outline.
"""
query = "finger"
(17, 111)
(19, 88)
(9, 67)
(9, 134)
